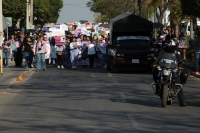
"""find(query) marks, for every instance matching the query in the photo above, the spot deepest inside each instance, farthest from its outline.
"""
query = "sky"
(75, 10)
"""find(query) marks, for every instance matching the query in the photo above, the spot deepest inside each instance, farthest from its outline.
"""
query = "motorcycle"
(170, 80)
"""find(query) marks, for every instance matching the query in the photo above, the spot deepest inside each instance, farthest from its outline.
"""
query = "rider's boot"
(181, 98)
(157, 92)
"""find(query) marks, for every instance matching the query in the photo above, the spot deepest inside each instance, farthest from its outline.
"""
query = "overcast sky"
(75, 10)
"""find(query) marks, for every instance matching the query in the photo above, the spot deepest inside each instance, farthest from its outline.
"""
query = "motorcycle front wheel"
(164, 94)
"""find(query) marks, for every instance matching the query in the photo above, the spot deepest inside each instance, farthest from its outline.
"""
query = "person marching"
(47, 55)
(53, 51)
(74, 52)
(6, 52)
(40, 51)
(59, 53)
(182, 45)
(28, 52)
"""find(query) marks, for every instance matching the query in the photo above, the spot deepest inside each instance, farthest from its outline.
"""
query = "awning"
(158, 25)
(6, 23)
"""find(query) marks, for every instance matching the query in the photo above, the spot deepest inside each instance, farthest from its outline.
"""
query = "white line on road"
(123, 97)
(109, 75)
(93, 75)
(116, 83)
(133, 122)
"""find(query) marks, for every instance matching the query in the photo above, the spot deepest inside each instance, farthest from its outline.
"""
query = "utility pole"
(31, 13)
(155, 36)
(1, 23)
(191, 29)
(1, 36)
(27, 14)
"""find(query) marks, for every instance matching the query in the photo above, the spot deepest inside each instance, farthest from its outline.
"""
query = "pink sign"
(58, 40)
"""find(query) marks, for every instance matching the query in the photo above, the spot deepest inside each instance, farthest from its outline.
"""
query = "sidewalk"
(191, 66)
(9, 75)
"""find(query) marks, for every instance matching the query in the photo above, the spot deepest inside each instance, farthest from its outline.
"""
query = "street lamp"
(1, 24)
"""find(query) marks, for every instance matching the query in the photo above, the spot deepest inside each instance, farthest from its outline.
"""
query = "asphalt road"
(86, 100)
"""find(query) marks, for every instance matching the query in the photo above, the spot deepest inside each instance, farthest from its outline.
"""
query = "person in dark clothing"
(19, 55)
(28, 52)
(67, 46)
(169, 47)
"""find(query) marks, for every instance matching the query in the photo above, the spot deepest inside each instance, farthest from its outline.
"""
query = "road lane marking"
(93, 75)
(8, 89)
(4, 92)
(109, 74)
(123, 97)
(116, 83)
(133, 121)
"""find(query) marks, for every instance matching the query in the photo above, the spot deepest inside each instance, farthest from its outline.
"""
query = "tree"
(98, 18)
(15, 9)
(45, 10)
(54, 10)
(112, 8)
(191, 7)
(158, 6)
(176, 14)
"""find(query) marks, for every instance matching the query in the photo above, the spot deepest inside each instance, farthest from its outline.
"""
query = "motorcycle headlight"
(166, 72)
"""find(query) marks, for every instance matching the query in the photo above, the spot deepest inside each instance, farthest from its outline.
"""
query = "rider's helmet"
(169, 46)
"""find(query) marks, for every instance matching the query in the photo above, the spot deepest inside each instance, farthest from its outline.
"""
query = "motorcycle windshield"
(168, 61)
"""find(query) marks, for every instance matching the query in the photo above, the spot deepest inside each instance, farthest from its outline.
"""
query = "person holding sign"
(59, 52)
(74, 52)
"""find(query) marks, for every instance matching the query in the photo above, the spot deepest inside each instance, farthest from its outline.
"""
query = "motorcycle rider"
(169, 47)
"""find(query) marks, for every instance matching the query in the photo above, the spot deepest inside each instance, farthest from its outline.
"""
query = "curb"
(23, 76)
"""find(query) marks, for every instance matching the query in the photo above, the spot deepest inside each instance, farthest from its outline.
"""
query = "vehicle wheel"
(113, 68)
(164, 95)
(108, 64)
(169, 102)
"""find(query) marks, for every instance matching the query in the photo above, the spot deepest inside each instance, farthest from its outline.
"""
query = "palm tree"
(160, 6)
(176, 15)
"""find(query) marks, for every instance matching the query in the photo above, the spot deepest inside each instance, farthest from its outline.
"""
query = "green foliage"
(45, 10)
(191, 7)
(112, 8)
(176, 14)
(100, 18)
(54, 9)
(14, 9)
(160, 5)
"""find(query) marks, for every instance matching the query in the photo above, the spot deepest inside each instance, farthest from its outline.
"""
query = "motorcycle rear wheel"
(164, 94)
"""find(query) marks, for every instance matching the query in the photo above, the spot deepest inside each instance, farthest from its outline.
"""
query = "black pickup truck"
(131, 44)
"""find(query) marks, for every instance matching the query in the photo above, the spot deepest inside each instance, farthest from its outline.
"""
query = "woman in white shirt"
(91, 52)
(74, 52)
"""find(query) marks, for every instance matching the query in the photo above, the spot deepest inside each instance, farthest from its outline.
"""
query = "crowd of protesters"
(182, 44)
(83, 49)
(181, 41)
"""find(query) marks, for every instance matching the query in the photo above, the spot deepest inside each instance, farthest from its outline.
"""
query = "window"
(132, 43)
